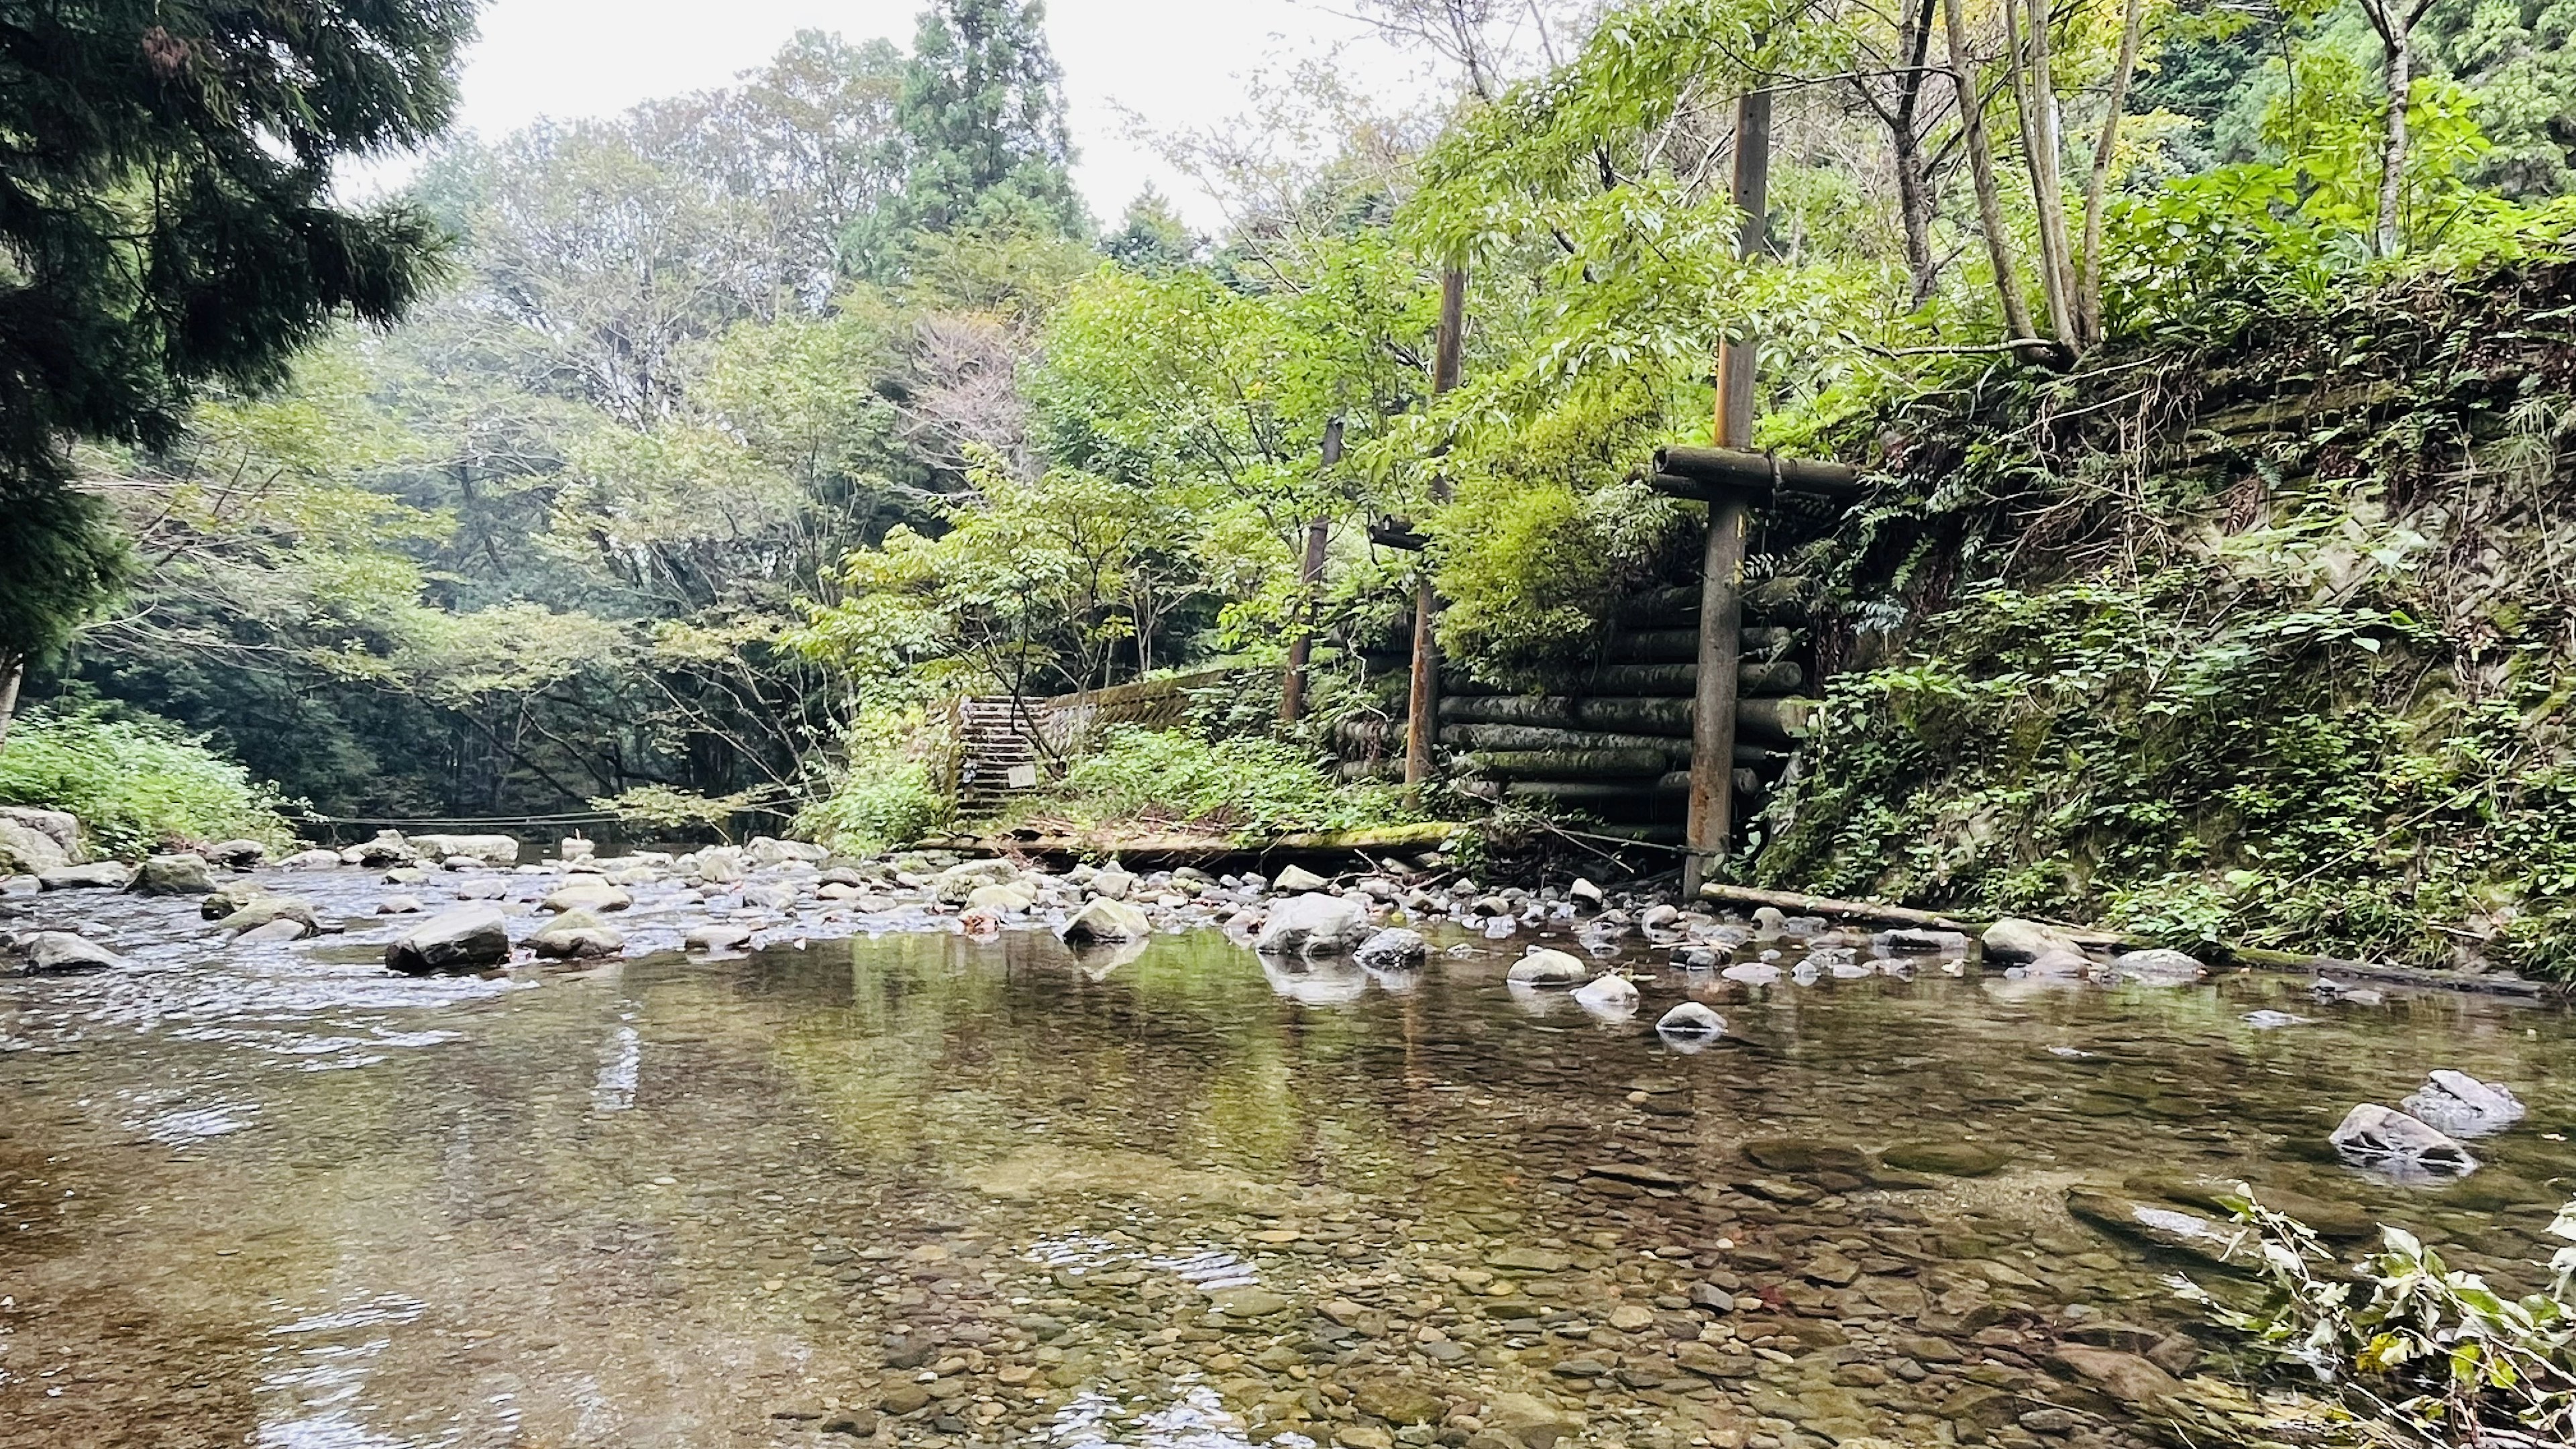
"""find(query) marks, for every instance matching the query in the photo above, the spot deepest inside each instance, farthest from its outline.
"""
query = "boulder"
(1585, 895)
(2013, 939)
(59, 826)
(1112, 884)
(173, 875)
(770, 897)
(387, 849)
(311, 860)
(1394, 949)
(2374, 1136)
(952, 886)
(1008, 898)
(104, 875)
(2219, 1196)
(224, 900)
(487, 849)
(1529, 1421)
(717, 936)
(770, 850)
(1313, 925)
(259, 910)
(468, 938)
(2124, 1377)
(1691, 1019)
(2158, 967)
(61, 953)
(284, 928)
(400, 906)
(587, 895)
(1611, 995)
(576, 934)
(1104, 919)
(1547, 967)
(573, 848)
(241, 854)
(2056, 964)
(2462, 1106)
(25, 850)
(718, 865)
(1297, 880)
(1950, 1159)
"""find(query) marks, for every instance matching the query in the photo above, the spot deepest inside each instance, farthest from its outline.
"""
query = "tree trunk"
(1914, 207)
(2036, 91)
(1310, 572)
(2088, 295)
(2397, 42)
(1981, 173)
(13, 671)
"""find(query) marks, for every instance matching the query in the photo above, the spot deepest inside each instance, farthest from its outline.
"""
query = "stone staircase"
(997, 759)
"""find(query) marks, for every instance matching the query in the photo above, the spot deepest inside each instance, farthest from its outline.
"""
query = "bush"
(2399, 1349)
(137, 784)
(1171, 778)
(884, 798)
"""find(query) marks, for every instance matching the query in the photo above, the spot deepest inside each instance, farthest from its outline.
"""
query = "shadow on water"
(926, 1188)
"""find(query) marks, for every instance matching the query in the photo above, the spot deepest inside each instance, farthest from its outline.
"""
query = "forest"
(683, 466)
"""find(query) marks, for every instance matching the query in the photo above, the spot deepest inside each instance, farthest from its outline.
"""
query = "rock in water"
(2158, 967)
(1611, 995)
(1690, 1019)
(2463, 1106)
(719, 937)
(284, 928)
(1312, 925)
(1545, 967)
(173, 875)
(237, 854)
(588, 895)
(1112, 884)
(574, 848)
(486, 849)
(1393, 950)
(2374, 1136)
(59, 826)
(310, 860)
(2012, 939)
(2212, 1242)
(60, 953)
(105, 875)
(952, 886)
(577, 934)
(259, 910)
(468, 938)
(1950, 1159)
(1297, 880)
(1105, 918)
(1585, 895)
(1008, 898)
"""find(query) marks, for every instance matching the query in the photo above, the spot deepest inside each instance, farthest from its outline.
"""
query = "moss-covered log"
(1752, 680)
(1568, 764)
(1540, 737)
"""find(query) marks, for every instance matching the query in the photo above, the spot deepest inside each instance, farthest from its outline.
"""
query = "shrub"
(884, 798)
(2400, 1349)
(137, 783)
(1180, 778)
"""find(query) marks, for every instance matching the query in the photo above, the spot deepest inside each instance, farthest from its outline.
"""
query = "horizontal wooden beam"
(1397, 533)
(1697, 472)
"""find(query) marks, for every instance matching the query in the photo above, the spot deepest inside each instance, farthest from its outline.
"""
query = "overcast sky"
(1177, 63)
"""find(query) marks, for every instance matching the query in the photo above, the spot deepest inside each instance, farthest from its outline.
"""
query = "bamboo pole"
(1710, 830)
(1423, 699)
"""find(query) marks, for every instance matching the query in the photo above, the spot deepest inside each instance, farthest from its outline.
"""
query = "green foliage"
(137, 784)
(65, 559)
(2400, 1350)
(884, 795)
(1180, 779)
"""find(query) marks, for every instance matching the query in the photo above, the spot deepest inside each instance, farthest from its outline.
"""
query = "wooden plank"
(1686, 472)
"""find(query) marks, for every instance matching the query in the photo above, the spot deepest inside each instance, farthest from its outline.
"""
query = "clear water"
(926, 1189)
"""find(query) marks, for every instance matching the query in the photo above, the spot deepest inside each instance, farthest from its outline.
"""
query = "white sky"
(1177, 63)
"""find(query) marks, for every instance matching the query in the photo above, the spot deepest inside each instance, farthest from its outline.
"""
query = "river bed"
(911, 1186)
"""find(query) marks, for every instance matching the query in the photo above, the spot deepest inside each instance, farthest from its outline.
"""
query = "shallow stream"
(929, 1189)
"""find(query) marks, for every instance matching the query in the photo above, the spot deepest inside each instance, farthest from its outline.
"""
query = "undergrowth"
(2263, 640)
(1149, 780)
(138, 785)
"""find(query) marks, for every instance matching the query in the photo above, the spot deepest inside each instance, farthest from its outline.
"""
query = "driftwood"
(1792, 903)
(1771, 720)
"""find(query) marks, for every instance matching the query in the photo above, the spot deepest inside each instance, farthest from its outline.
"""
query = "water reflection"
(927, 1188)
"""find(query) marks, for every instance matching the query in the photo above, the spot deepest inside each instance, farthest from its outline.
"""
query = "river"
(919, 1187)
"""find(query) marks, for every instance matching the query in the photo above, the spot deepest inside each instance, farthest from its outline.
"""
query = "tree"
(1152, 236)
(985, 143)
(166, 222)
(2395, 20)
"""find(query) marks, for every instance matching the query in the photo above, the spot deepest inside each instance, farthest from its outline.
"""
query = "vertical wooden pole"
(1710, 833)
(1310, 572)
(1422, 717)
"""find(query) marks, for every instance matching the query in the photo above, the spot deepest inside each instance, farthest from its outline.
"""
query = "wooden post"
(1710, 833)
(1422, 723)
(1310, 572)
